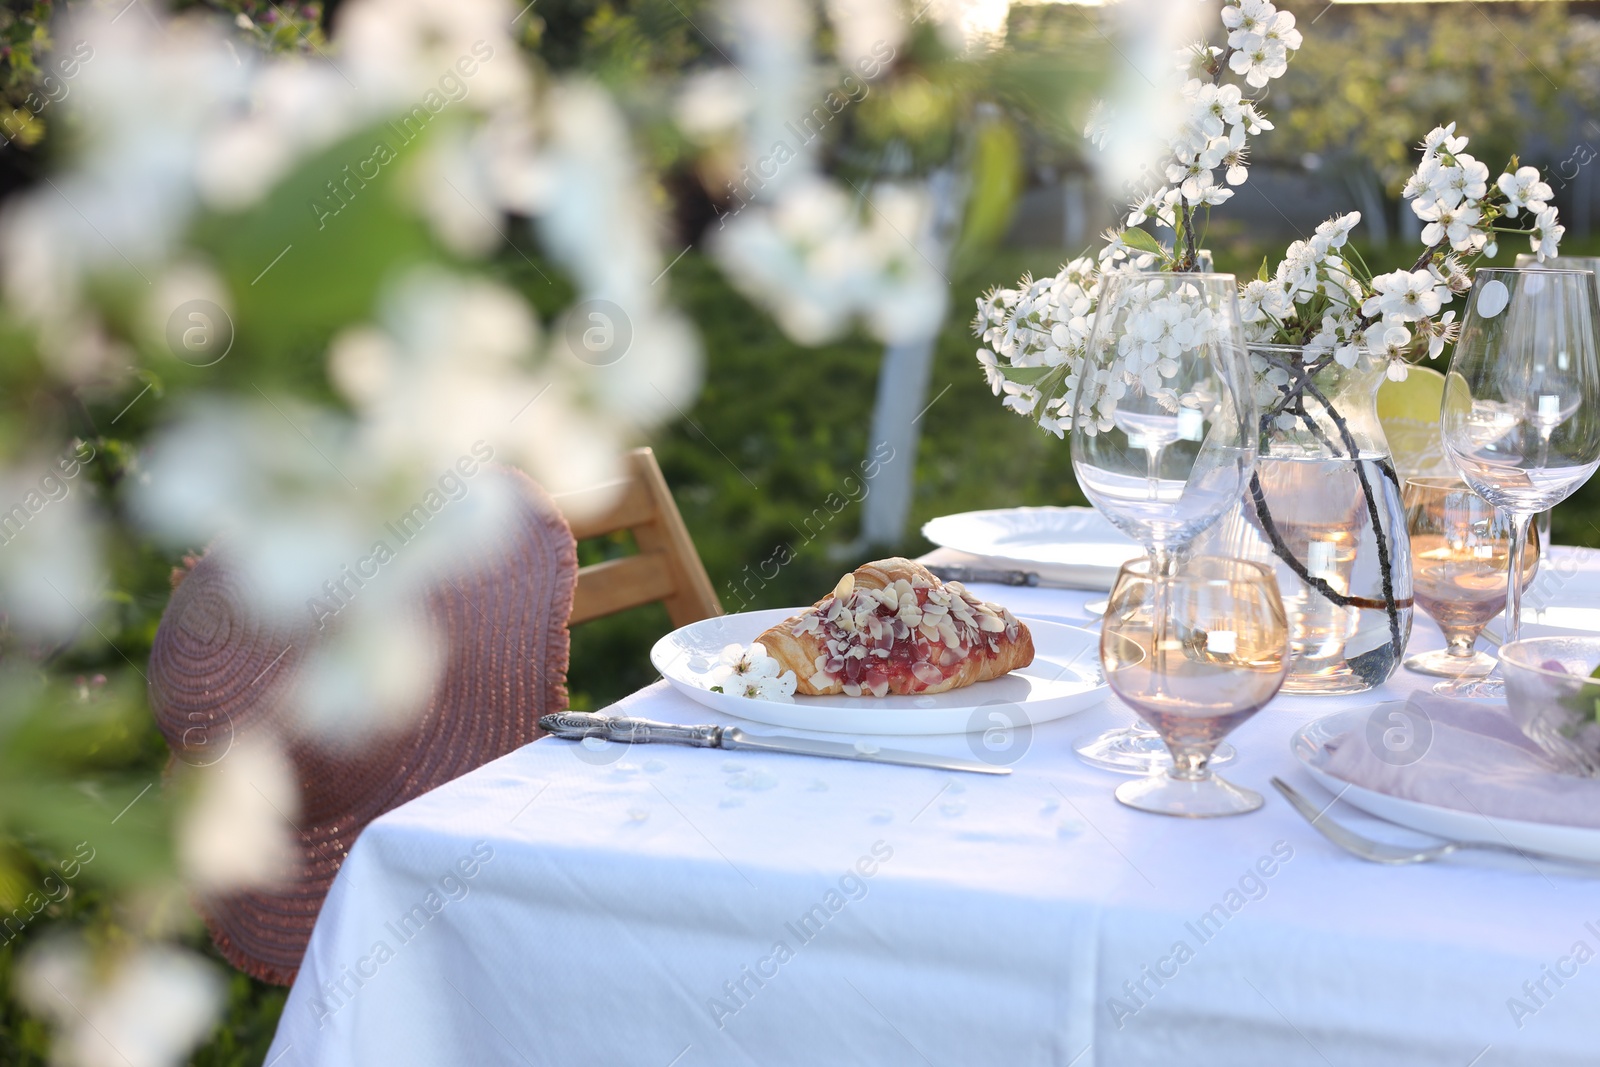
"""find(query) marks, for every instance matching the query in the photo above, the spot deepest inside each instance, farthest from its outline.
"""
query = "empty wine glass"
(1528, 261)
(1196, 653)
(1460, 559)
(1521, 412)
(1162, 432)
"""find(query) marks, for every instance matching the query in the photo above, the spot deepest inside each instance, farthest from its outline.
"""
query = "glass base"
(1135, 750)
(1442, 664)
(1482, 689)
(1207, 798)
(1096, 609)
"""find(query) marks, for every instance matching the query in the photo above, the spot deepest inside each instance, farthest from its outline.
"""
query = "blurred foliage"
(1372, 79)
(36, 69)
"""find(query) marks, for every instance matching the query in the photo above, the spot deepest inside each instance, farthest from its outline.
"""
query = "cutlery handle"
(959, 573)
(577, 725)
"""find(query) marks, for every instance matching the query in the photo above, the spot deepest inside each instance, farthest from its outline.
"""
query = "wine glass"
(1528, 261)
(1521, 412)
(1460, 560)
(1163, 432)
(1195, 652)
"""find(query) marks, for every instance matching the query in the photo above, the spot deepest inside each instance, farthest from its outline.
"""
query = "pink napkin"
(1476, 761)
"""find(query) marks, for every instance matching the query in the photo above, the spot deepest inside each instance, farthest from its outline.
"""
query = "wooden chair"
(667, 567)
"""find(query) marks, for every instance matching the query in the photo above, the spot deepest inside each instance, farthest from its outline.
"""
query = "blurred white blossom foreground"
(173, 126)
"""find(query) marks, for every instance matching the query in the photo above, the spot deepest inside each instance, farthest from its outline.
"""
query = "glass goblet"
(1528, 261)
(1460, 557)
(1195, 653)
(1163, 437)
(1521, 412)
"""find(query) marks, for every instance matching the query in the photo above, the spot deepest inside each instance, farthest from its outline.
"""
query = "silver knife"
(577, 725)
(956, 572)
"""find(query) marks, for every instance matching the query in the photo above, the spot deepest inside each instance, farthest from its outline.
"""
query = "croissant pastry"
(892, 627)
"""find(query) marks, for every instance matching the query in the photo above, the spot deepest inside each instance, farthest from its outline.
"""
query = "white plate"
(1079, 545)
(1309, 744)
(1064, 678)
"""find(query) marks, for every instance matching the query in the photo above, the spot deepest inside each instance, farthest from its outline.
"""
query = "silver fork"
(1399, 855)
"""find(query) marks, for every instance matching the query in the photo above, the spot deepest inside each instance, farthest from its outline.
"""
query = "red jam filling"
(907, 638)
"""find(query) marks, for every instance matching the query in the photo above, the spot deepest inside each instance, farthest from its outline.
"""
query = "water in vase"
(1342, 636)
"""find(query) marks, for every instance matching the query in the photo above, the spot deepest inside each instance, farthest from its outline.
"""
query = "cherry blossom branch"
(1294, 394)
(1191, 253)
(1385, 564)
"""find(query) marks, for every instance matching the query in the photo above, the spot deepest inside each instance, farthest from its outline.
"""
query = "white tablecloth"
(678, 907)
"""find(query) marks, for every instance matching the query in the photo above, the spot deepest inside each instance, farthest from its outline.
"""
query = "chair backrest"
(667, 567)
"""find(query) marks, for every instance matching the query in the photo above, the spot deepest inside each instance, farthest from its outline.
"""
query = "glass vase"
(1324, 510)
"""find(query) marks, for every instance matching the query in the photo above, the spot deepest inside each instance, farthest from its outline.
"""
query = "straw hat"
(219, 670)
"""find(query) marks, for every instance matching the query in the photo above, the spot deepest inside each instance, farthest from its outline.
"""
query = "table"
(672, 907)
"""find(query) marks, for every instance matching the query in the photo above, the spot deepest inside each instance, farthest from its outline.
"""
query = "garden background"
(766, 463)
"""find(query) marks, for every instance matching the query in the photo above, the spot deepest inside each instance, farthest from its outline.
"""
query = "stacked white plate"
(1072, 547)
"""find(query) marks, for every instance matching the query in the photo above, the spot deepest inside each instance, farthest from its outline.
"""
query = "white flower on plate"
(752, 674)
(748, 664)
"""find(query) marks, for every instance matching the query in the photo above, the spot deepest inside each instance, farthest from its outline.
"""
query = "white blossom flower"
(149, 1008)
(1097, 126)
(1248, 17)
(1402, 296)
(1235, 158)
(1439, 332)
(1457, 224)
(1219, 106)
(1264, 301)
(751, 673)
(1392, 346)
(1253, 121)
(1281, 28)
(1333, 233)
(1259, 59)
(992, 373)
(1212, 194)
(1545, 237)
(237, 832)
(1524, 189)
(1469, 179)
(1147, 207)
(1442, 139)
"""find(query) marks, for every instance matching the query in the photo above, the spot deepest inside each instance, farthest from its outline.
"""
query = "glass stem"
(1519, 544)
(1162, 560)
(1189, 765)
(1459, 644)
(1152, 471)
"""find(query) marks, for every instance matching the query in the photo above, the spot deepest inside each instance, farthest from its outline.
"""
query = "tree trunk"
(1369, 194)
(903, 390)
